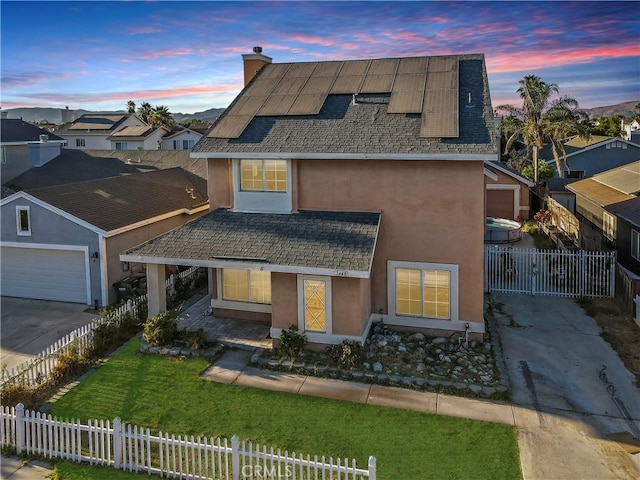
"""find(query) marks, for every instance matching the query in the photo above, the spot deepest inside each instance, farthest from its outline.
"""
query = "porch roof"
(314, 242)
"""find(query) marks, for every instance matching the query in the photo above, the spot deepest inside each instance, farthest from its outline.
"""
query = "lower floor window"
(423, 289)
(635, 244)
(246, 285)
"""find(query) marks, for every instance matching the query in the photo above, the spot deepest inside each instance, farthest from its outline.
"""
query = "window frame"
(262, 201)
(241, 305)
(635, 244)
(609, 226)
(80, 142)
(20, 232)
(327, 304)
(264, 175)
(421, 320)
(122, 144)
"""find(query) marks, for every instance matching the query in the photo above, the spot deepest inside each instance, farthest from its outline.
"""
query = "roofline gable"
(506, 171)
(53, 209)
(598, 145)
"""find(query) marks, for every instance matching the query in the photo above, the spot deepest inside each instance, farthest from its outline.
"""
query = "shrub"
(292, 342)
(349, 354)
(194, 339)
(69, 364)
(530, 227)
(161, 329)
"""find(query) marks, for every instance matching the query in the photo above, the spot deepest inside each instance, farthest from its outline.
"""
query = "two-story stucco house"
(341, 193)
(92, 131)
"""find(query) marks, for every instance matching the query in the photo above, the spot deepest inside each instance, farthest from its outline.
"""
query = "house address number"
(342, 273)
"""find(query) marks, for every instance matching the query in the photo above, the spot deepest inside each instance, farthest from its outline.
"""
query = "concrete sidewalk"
(13, 468)
(232, 368)
(554, 444)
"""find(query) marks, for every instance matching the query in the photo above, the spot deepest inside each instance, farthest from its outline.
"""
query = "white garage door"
(44, 273)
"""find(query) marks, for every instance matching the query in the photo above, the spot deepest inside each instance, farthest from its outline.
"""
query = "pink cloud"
(543, 59)
(310, 39)
(166, 53)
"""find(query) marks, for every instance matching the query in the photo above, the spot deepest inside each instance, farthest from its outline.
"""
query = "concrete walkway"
(232, 368)
(12, 468)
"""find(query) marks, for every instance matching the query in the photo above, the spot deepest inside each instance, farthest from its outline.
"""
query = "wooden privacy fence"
(135, 449)
(549, 272)
(38, 369)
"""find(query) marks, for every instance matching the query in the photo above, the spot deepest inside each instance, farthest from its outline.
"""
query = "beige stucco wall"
(219, 183)
(284, 298)
(432, 211)
(350, 305)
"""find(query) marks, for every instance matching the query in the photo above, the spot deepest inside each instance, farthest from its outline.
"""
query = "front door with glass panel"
(314, 305)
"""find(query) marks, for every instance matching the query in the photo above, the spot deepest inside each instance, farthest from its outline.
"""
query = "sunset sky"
(187, 55)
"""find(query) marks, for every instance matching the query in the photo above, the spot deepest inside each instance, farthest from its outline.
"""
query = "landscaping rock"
(377, 367)
(475, 388)
(438, 341)
(154, 349)
(417, 337)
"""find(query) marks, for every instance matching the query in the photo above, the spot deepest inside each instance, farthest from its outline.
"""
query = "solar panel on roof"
(275, 70)
(384, 66)
(354, 67)
(308, 104)
(248, 105)
(347, 84)
(230, 126)
(413, 65)
(277, 105)
(406, 102)
(327, 69)
(317, 85)
(301, 69)
(289, 86)
(440, 107)
(131, 131)
(377, 84)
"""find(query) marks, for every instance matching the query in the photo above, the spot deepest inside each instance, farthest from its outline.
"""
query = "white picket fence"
(637, 303)
(38, 369)
(549, 272)
(135, 449)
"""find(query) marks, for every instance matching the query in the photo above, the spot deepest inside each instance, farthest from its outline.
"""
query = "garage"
(500, 204)
(44, 273)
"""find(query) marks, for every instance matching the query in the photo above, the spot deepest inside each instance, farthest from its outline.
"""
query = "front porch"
(243, 334)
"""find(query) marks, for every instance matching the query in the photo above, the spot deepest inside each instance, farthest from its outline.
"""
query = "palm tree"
(144, 111)
(542, 119)
(161, 116)
(131, 106)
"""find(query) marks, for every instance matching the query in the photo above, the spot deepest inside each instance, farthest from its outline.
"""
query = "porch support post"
(156, 289)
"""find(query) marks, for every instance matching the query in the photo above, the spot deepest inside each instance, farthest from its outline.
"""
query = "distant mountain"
(626, 109)
(54, 115)
(208, 115)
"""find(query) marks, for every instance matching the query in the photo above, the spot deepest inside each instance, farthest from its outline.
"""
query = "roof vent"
(354, 99)
(44, 138)
(257, 49)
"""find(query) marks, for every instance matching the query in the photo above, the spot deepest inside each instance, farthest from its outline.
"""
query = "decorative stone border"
(176, 351)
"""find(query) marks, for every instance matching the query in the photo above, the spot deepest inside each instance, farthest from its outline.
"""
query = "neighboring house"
(590, 157)
(598, 226)
(507, 192)
(627, 221)
(556, 188)
(140, 137)
(23, 146)
(73, 166)
(63, 242)
(341, 193)
(92, 131)
(180, 138)
(630, 130)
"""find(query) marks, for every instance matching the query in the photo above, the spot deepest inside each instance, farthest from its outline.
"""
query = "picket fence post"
(117, 442)
(372, 468)
(20, 428)
(235, 458)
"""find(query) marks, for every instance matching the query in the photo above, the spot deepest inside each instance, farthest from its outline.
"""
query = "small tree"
(544, 171)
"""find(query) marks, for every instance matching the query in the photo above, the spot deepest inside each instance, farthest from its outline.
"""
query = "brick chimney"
(254, 62)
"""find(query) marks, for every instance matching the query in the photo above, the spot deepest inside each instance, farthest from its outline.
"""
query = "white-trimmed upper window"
(23, 221)
(263, 175)
(121, 146)
(635, 244)
(609, 226)
(426, 290)
(262, 185)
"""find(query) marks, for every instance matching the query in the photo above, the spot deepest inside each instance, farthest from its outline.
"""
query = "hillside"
(54, 115)
(625, 109)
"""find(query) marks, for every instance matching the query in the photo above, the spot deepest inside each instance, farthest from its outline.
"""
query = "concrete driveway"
(27, 327)
(570, 388)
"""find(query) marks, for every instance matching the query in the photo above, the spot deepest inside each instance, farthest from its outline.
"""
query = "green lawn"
(167, 394)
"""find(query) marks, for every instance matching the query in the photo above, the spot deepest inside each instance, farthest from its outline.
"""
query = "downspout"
(102, 246)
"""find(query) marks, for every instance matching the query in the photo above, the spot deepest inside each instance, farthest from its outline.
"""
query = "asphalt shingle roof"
(629, 210)
(312, 239)
(112, 203)
(14, 130)
(73, 166)
(366, 128)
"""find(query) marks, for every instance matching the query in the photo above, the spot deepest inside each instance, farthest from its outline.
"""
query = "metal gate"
(549, 272)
